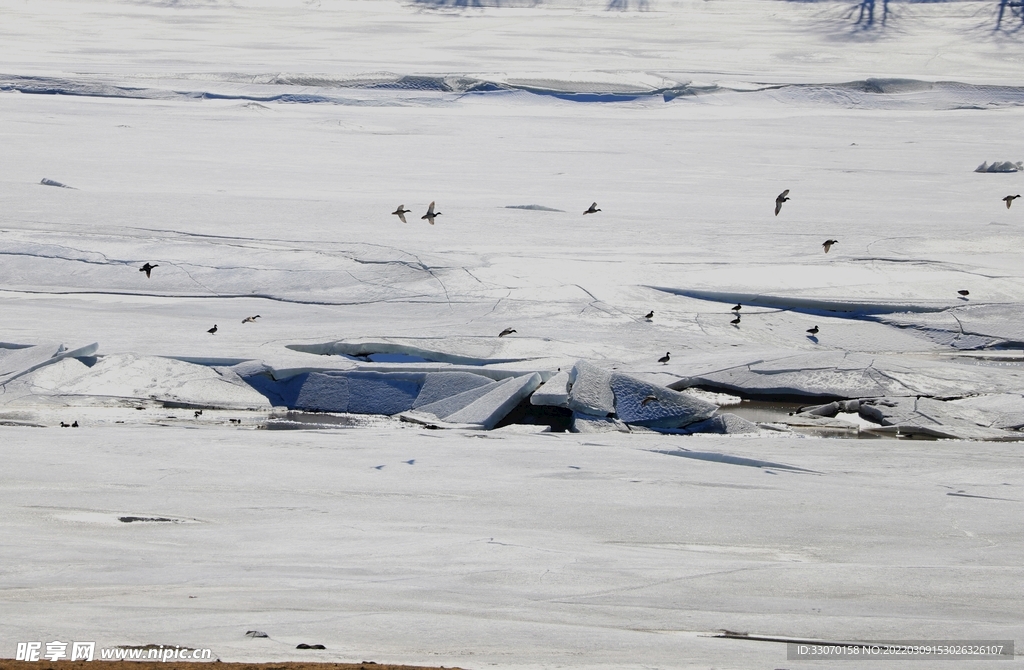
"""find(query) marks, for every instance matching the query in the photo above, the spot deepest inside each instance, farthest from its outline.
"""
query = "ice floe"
(591, 391)
(839, 374)
(1000, 166)
(554, 392)
(118, 378)
(723, 424)
(18, 359)
(588, 423)
(638, 402)
(492, 407)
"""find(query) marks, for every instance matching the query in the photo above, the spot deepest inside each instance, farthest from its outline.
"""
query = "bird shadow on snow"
(715, 457)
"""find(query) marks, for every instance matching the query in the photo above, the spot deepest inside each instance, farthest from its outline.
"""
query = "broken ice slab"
(920, 411)
(19, 359)
(431, 421)
(164, 380)
(1006, 410)
(805, 420)
(1000, 166)
(639, 402)
(440, 385)
(838, 374)
(934, 418)
(951, 432)
(452, 404)
(53, 182)
(588, 423)
(591, 391)
(482, 406)
(498, 402)
(554, 392)
(725, 424)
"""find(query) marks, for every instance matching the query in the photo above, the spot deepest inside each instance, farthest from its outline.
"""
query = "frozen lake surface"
(363, 464)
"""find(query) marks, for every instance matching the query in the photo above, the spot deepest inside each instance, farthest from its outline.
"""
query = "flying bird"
(813, 331)
(964, 292)
(828, 244)
(401, 212)
(507, 331)
(737, 308)
(250, 319)
(431, 214)
(664, 359)
(736, 321)
(212, 330)
(147, 268)
(649, 315)
(779, 200)
(1009, 200)
(649, 399)
(592, 209)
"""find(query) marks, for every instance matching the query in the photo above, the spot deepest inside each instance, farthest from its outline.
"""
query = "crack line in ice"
(715, 457)
(806, 305)
(262, 296)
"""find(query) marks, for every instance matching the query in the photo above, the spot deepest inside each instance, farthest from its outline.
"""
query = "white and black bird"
(1009, 200)
(147, 268)
(431, 214)
(827, 244)
(213, 330)
(592, 209)
(813, 331)
(507, 331)
(649, 315)
(664, 359)
(401, 212)
(250, 319)
(783, 197)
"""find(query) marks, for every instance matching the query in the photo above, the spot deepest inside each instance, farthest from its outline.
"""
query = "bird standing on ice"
(507, 331)
(250, 319)
(779, 200)
(649, 315)
(147, 268)
(401, 212)
(592, 209)
(828, 244)
(664, 359)
(737, 308)
(813, 331)
(213, 330)
(431, 214)
(736, 321)
(1009, 200)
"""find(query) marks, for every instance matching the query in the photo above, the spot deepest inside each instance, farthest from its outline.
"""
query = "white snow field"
(368, 465)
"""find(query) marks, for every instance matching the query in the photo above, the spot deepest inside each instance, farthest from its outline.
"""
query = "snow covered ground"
(253, 152)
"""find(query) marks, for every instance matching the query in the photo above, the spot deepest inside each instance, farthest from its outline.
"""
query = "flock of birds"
(783, 197)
